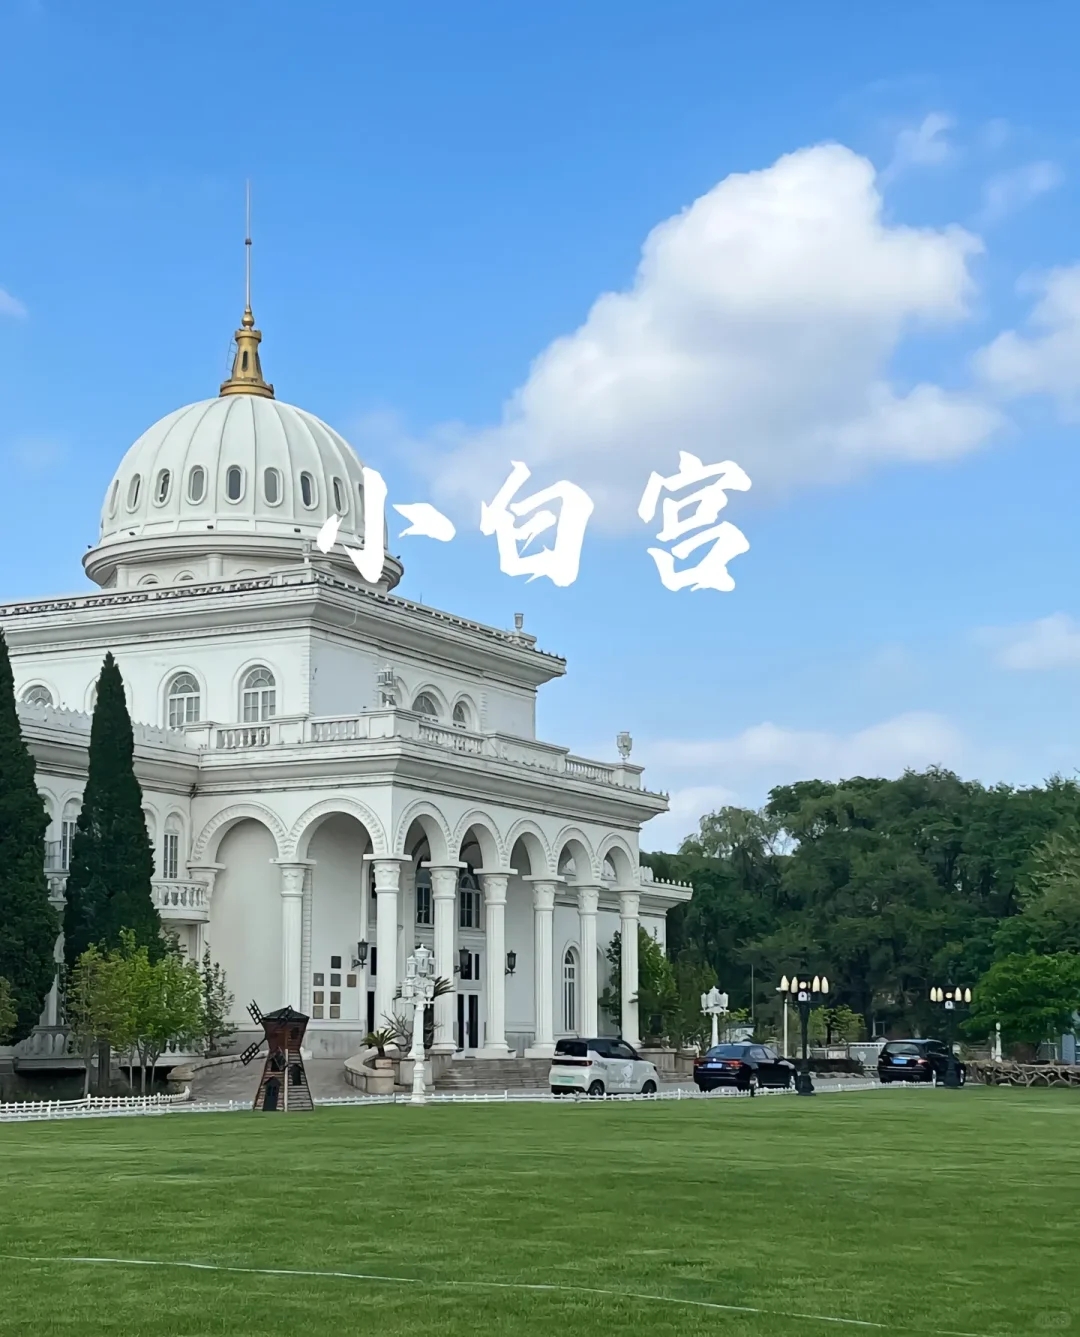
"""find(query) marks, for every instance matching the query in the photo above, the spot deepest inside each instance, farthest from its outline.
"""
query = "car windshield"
(727, 1051)
(902, 1047)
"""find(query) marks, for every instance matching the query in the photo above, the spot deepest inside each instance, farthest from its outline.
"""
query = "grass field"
(923, 1211)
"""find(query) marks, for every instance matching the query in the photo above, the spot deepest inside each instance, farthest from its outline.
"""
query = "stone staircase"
(495, 1074)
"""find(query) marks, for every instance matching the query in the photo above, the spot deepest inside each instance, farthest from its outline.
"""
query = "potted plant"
(378, 1040)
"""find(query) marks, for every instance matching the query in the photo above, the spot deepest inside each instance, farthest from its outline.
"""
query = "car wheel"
(963, 1076)
(596, 1088)
(751, 1084)
(649, 1089)
(789, 1085)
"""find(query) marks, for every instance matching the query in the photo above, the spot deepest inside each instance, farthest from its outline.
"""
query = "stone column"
(292, 931)
(543, 1045)
(588, 901)
(387, 881)
(444, 885)
(493, 885)
(629, 902)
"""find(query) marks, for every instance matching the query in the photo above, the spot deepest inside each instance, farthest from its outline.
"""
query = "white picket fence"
(113, 1106)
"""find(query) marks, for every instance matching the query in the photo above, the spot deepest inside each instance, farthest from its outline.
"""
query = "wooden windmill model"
(284, 1084)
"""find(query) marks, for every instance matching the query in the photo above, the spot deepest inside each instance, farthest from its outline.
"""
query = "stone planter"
(664, 1059)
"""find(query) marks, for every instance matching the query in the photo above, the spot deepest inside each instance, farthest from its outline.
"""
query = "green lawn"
(924, 1211)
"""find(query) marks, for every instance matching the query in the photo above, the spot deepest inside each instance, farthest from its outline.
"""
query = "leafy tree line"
(888, 887)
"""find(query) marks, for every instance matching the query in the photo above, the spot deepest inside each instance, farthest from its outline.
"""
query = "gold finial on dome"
(247, 377)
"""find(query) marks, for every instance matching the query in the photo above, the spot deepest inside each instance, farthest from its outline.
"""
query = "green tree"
(217, 1001)
(99, 1008)
(112, 861)
(9, 1014)
(166, 1003)
(657, 995)
(28, 923)
(1034, 998)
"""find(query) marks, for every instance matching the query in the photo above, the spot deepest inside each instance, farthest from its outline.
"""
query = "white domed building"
(332, 774)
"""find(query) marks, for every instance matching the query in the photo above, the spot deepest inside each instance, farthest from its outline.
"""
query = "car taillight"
(922, 1062)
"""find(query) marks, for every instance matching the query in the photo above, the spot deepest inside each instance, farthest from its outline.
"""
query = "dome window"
(37, 695)
(308, 494)
(184, 701)
(258, 696)
(161, 491)
(134, 488)
(113, 496)
(196, 484)
(425, 705)
(341, 497)
(272, 487)
(234, 483)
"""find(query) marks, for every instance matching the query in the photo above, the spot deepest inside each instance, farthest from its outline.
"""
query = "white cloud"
(751, 763)
(36, 455)
(1007, 192)
(1047, 359)
(922, 145)
(11, 306)
(759, 327)
(1047, 643)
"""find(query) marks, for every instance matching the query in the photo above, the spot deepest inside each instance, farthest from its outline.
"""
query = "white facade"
(324, 764)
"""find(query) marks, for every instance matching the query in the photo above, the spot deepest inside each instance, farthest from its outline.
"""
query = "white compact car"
(601, 1067)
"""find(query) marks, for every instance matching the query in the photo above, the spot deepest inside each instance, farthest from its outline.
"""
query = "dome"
(229, 487)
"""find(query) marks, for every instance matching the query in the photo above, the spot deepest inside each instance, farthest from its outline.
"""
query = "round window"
(272, 487)
(113, 496)
(341, 501)
(196, 486)
(134, 488)
(161, 491)
(234, 483)
(307, 490)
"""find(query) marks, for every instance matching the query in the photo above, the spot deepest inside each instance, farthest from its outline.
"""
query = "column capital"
(493, 883)
(444, 881)
(543, 892)
(629, 903)
(387, 870)
(588, 899)
(292, 875)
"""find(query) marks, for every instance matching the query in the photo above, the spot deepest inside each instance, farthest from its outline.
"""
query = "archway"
(245, 916)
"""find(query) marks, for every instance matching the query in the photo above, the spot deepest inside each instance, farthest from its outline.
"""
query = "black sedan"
(746, 1067)
(915, 1061)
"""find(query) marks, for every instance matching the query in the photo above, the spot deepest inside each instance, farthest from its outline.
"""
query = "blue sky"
(872, 307)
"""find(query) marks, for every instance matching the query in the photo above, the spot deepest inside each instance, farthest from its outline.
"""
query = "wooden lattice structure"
(1009, 1073)
(284, 1084)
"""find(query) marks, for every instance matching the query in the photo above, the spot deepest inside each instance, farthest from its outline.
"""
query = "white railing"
(590, 770)
(257, 735)
(47, 1042)
(181, 900)
(338, 731)
(22, 1110)
(456, 740)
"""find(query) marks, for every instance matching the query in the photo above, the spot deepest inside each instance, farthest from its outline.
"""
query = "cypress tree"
(112, 861)
(28, 923)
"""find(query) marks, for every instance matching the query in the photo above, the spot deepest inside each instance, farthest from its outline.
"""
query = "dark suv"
(916, 1061)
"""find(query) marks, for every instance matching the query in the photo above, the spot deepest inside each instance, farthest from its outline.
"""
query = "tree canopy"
(886, 886)
(28, 923)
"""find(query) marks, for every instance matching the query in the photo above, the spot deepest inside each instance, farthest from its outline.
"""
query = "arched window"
(184, 701)
(425, 705)
(234, 483)
(37, 696)
(133, 492)
(308, 495)
(184, 578)
(569, 991)
(272, 487)
(341, 497)
(258, 697)
(161, 488)
(170, 850)
(196, 484)
(113, 496)
(67, 831)
(148, 580)
(461, 716)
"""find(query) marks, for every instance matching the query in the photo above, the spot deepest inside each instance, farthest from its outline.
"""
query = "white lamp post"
(714, 1004)
(419, 989)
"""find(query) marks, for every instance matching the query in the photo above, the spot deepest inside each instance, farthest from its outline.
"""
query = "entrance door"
(468, 1021)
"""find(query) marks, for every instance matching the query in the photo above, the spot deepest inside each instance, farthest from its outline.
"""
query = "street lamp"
(714, 1004)
(360, 959)
(418, 988)
(950, 999)
(806, 994)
